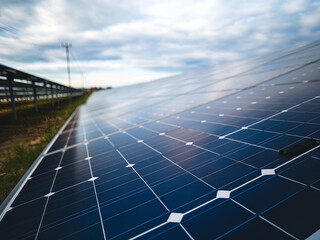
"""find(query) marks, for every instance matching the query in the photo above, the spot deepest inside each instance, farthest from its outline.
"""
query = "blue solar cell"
(88, 232)
(299, 210)
(268, 194)
(306, 172)
(315, 135)
(186, 194)
(76, 136)
(73, 155)
(227, 175)
(316, 184)
(138, 215)
(48, 163)
(141, 133)
(121, 139)
(256, 229)
(281, 141)
(60, 142)
(263, 158)
(256, 137)
(211, 166)
(100, 146)
(245, 152)
(72, 174)
(173, 231)
(23, 221)
(73, 226)
(71, 203)
(36, 187)
(216, 221)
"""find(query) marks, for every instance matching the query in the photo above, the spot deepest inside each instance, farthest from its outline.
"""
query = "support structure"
(17, 86)
(52, 97)
(46, 90)
(10, 84)
(35, 96)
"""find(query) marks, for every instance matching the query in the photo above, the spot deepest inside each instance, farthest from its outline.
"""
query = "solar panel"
(194, 156)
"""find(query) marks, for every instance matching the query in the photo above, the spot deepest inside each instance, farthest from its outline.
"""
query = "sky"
(123, 42)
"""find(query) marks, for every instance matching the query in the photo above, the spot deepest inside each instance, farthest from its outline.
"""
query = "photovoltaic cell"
(194, 156)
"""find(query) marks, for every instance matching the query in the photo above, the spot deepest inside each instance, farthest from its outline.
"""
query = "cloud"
(294, 6)
(124, 42)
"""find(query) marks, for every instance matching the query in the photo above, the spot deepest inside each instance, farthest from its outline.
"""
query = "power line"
(15, 34)
(79, 66)
(76, 61)
(67, 46)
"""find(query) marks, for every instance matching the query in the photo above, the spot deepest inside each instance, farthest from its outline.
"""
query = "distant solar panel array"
(195, 156)
(18, 86)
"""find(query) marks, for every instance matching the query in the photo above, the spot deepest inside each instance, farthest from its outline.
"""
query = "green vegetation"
(22, 141)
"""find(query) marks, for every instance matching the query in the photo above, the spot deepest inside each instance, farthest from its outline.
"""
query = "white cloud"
(310, 21)
(129, 41)
(294, 6)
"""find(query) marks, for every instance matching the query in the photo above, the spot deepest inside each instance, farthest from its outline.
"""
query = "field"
(23, 140)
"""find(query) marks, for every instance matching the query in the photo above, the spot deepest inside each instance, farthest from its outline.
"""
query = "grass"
(22, 141)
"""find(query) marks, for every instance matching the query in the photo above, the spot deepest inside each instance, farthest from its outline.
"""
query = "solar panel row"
(194, 156)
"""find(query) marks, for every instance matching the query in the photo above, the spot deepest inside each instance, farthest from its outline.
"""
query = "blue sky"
(123, 42)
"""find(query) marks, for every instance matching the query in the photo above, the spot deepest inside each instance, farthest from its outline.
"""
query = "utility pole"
(82, 79)
(67, 46)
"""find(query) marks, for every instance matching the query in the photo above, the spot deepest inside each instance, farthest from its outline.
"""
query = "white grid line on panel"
(262, 120)
(206, 203)
(292, 180)
(177, 164)
(95, 191)
(150, 230)
(207, 150)
(296, 157)
(185, 230)
(274, 225)
(54, 179)
(144, 181)
(236, 202)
